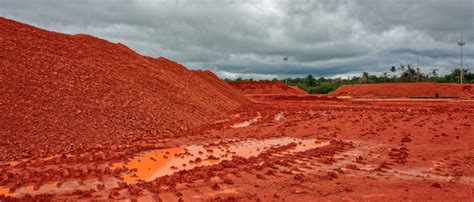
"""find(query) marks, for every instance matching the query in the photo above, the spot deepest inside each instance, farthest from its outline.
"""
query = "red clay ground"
(422, 90)
(267, 87)
(377, 151)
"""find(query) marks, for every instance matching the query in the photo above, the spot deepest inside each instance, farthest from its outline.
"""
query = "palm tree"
(393, 69)
(434, 72)
(364, 78)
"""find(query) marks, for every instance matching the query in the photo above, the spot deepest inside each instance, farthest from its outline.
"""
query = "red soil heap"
(406, 90)
(63, 92)
(267, 87)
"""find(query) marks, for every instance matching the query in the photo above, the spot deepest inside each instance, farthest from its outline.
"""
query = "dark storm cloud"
(443, 20)
(249, 38)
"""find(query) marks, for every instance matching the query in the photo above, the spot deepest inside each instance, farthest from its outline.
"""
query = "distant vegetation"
(403, 73)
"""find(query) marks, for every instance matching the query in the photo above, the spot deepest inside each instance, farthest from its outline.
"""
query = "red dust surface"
(267, 87)
(163, 133)
(418, 89)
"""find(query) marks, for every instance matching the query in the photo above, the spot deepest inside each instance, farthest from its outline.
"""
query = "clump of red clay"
(267, 87)
(429, 90)
(62, 92)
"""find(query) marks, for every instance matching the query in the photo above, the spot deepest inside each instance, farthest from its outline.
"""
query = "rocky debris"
(436, 185)
(399, 155)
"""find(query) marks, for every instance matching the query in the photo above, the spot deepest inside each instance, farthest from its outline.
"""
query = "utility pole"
(461, 44)
(417, 69)
(417, 56)
(285, 59)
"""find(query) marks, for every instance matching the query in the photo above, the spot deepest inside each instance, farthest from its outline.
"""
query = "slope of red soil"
(406, 90)
(63, 93)
(214, 82)
(266, 87)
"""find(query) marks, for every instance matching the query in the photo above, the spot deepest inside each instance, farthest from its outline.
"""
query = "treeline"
(402, 73)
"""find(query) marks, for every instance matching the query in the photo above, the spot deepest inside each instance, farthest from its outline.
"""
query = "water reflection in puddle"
(4, 191)
(153, 164)
(279, 116)
(247, 123)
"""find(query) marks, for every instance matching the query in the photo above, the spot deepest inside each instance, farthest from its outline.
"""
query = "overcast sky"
(250, 38)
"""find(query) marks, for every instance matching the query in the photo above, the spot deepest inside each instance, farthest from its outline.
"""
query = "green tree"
(310, 81)
(455, 75)
(408, 73)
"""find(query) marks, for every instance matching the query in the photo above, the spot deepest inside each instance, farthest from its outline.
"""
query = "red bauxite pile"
(64, 92)
(406, 90)
(267, 87)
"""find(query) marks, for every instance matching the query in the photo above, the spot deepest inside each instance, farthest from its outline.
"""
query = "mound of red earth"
(428, 90)
(267, 87)
(61, 93)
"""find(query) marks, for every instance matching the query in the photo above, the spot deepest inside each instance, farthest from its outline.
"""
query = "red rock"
(436, 185)
(65, 172)
(228, 181)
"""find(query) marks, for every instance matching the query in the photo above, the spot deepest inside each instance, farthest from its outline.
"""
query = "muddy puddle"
(279, 116)
(248, 122)
(158, 163)
(150, 165)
